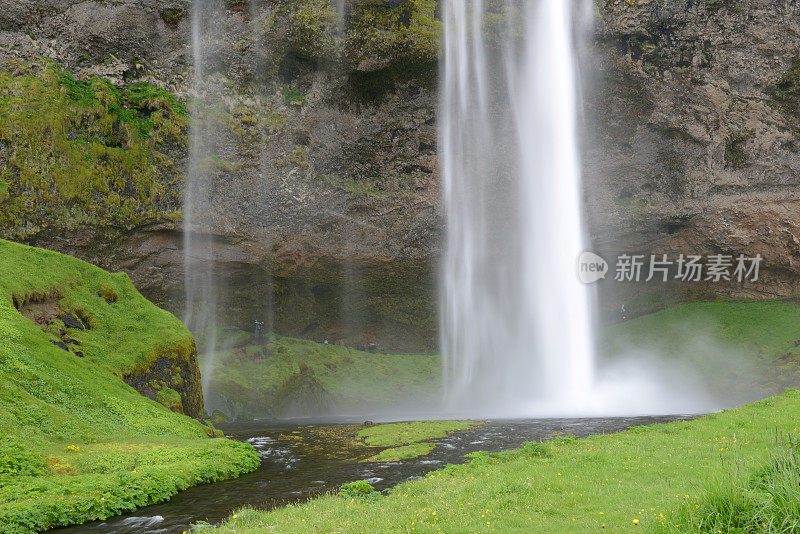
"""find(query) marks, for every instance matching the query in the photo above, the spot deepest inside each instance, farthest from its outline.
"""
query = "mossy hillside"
(741, 348)
(84, 152)
(621, 482)
(375, 30)
(78, 443)
(290, 375)
(125, 337)
(388, 43)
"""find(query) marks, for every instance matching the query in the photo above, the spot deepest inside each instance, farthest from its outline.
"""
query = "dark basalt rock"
(78, 353)
(60, 345)
(70, 321)
(176, 371)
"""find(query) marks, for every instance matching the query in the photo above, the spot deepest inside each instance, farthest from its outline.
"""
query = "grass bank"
(77, 442)
(408, 439)
(287, 376)
(737, 349)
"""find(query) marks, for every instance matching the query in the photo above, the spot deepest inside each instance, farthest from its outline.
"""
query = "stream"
(292, 471)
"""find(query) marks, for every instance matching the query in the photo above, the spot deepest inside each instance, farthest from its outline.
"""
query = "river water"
(299, 463)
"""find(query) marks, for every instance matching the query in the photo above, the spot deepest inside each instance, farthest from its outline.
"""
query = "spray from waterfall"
(516, 322)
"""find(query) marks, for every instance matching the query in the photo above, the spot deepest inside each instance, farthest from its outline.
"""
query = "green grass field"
(78, 443)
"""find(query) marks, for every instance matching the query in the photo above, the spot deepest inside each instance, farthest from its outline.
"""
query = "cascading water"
(200, 283)
(516, 321)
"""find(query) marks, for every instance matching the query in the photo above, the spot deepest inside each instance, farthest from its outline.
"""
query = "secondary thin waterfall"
(516, 321)
(200, 283)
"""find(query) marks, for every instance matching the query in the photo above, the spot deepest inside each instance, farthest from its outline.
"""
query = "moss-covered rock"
(786, 93)
(77, 153)
(171, 399)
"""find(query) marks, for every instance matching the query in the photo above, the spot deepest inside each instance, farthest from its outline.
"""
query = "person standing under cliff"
(258, 325)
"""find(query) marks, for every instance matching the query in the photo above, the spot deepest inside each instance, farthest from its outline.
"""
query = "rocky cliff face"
(695, 133)
(324, 174)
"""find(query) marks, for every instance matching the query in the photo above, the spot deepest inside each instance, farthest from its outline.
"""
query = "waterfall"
(200, 283)
(340, 7)
(516, 325)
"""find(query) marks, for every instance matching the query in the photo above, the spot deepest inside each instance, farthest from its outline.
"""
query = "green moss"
(735, 154)
(407, 440)
(292, 97)
(393, 434)
(84, 152)
(387, 46)
(172, 16)
(108, 293)
(309, 27)
(409, 31)
(171, 399)
(405, 452)
(79, 443)
(237, 5)
(786, 94)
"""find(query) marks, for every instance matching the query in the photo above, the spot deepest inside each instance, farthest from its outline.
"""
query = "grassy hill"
(77, 441)
(738, 350)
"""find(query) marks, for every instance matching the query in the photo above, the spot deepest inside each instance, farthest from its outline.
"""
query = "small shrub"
(534, 449)
(360, 489)
(108, 293)
(17, 461)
